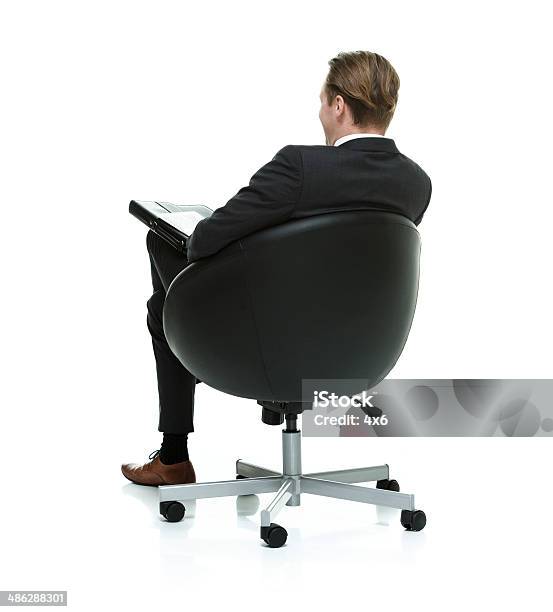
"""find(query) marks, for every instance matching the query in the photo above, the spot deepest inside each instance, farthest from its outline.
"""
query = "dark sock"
(174, 448)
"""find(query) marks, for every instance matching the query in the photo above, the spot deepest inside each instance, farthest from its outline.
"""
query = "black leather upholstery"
(330, 296)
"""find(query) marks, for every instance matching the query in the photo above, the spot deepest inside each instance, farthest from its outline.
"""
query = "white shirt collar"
(352, 136)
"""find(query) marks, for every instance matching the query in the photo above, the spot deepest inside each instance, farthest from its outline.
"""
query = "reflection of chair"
(328, 298)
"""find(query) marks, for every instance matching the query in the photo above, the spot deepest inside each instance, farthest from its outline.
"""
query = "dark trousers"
(176, 385)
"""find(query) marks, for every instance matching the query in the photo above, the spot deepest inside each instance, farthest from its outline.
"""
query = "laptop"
(172, 222)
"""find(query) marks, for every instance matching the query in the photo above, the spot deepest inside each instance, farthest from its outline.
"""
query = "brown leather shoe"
(155, 473)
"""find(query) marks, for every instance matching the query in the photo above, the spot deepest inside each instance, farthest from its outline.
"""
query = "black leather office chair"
(328, 298)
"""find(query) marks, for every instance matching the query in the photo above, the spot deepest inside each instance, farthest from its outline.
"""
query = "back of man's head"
(369, 85)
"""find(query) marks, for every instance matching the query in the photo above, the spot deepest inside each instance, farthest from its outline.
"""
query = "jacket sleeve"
(269, 199)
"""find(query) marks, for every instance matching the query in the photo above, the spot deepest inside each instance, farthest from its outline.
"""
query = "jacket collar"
(387, 145)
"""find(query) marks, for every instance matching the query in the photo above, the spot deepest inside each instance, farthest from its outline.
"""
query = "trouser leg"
(176, 385)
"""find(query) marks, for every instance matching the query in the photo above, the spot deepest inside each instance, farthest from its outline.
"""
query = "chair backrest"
(327, 297)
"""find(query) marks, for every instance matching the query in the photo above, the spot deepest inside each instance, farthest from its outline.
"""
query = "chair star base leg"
(288, 486)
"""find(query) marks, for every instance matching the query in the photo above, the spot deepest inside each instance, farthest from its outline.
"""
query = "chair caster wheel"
(413, 520)
(173, 511)
(388, 485)
(274, 536)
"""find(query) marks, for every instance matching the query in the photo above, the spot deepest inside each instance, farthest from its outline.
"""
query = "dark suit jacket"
(304, 180)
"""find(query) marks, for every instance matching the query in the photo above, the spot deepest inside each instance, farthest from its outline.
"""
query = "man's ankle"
(174, 448)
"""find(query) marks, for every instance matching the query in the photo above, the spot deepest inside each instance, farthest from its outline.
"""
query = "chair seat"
(325, 298)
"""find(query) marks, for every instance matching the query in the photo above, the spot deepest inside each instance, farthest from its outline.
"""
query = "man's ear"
(340, 102)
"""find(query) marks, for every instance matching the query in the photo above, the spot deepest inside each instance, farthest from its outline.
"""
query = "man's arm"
(269, 199)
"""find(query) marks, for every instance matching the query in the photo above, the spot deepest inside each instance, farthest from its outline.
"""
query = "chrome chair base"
(288, 487)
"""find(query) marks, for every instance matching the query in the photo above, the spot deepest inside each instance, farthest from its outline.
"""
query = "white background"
(102, 102)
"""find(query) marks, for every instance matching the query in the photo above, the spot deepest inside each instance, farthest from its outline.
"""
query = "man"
(358, 169)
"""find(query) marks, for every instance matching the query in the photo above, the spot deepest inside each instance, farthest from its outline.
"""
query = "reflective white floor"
(84, 528)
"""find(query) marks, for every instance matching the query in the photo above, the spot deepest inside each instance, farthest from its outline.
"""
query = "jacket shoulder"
(307, 148)
(413, 164)
(299, 153)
